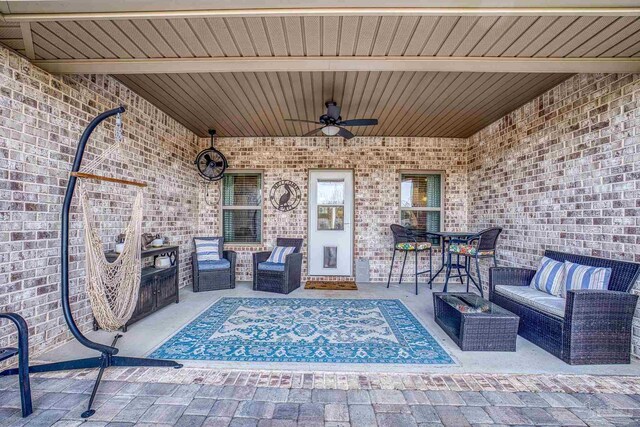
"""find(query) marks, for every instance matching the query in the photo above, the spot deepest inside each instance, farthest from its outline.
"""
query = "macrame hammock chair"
(112, 286)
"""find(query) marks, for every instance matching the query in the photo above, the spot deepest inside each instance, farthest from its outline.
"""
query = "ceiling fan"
(332, 123)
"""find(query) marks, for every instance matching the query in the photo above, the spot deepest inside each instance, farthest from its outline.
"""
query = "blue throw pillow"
(279, 254)
(585, 277)
(550, 277)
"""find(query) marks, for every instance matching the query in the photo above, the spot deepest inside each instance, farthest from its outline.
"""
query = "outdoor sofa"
(588, 327)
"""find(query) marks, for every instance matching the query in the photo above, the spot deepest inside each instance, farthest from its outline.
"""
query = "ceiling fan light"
(330, 130)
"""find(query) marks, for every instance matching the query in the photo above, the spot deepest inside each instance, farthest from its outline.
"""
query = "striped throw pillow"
(279, 254)
(550, 277)
(207, 250)
(585, 277)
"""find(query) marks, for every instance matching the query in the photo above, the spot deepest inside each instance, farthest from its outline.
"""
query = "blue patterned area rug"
(305, 330)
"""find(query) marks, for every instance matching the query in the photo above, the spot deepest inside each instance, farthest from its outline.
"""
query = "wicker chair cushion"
(585, 277)
(411, 246)
(207, 250)
(534, 298)
(550, 277)
(467, 249)
(279, 254)
(220, 264)
(271, 266)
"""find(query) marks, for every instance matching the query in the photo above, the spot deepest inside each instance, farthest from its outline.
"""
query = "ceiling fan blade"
(345, 133)
(358, 122)
(333, 110)
(303, 121)
(312, 132)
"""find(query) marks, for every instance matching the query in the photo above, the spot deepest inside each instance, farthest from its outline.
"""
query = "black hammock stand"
(108, 353)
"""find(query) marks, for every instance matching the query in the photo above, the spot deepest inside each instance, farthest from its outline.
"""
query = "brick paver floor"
(203, 397)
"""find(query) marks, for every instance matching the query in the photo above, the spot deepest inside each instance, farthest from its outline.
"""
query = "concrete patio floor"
(144, 336)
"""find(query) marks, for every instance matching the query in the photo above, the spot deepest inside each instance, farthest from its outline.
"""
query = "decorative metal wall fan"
(210, 162)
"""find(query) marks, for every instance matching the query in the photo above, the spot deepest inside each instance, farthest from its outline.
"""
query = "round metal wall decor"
(285, 195)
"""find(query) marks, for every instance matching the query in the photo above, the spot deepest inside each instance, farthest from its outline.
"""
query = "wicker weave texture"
(282, 282)
(213, 280)
(597, 325)
(476, 331)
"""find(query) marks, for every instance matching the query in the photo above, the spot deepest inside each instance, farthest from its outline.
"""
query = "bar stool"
(482, 245)
(405, 240)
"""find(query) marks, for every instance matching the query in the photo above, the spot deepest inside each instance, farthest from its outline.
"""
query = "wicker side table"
(474, 323)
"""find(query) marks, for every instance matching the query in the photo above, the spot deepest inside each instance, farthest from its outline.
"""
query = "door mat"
(326, 285)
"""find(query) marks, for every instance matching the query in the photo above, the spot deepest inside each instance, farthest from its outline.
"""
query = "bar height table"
(446, 237)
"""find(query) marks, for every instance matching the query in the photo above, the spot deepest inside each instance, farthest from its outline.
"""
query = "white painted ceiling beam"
(115, 11)
(335, 63)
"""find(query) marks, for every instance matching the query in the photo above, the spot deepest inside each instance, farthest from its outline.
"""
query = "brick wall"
(560, 172)
(376, 162)
(563, 172)
(41, 119)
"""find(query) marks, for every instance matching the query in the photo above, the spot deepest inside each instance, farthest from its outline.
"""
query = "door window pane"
(330, 193)
(330, 218)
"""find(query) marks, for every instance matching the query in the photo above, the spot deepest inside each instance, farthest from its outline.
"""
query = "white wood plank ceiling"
(408, 102)
(440, 36)
(405, 103)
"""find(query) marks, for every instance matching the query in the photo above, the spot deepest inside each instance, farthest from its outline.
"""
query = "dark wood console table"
(159, 287)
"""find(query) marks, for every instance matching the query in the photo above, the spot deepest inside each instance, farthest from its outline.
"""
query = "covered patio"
(323, 214)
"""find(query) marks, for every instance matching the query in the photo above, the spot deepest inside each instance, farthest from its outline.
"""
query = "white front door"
(330, 239)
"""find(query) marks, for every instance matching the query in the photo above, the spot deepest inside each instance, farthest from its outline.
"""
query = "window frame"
(441, 209)
(259, 207)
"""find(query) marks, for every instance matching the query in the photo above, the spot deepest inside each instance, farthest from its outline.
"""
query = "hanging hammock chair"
(112, 286)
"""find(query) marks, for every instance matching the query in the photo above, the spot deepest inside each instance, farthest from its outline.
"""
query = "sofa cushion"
(270, 266)
(279, 254)
(550, 277)
(579, 276)
(534, 298)
(219, 264)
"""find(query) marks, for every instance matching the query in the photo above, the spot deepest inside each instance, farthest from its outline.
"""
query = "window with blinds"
(421, 201)
(242, 207)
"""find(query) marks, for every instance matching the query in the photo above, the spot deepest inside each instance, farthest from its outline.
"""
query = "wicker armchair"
(23, 360)
(596, 327)
(279, 281)
(213, 280)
